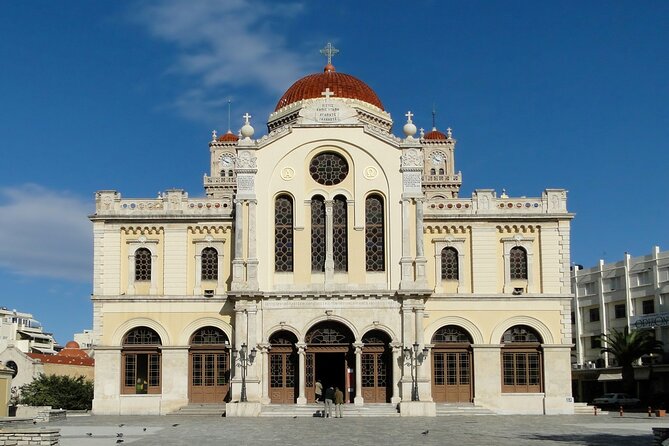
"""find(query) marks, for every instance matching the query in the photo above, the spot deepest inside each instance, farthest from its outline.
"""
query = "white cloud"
(226, 46)
(45, 233)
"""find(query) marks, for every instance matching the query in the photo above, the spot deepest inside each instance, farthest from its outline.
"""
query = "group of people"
(333, 396)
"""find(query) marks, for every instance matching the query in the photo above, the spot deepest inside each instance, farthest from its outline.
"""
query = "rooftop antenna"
(434, 117)
(229, 101)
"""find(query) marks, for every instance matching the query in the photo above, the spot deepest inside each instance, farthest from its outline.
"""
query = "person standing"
(329, 400)
(318, 390)
(338, 400)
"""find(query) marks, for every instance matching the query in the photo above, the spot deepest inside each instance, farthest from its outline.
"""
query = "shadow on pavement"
(595, 439)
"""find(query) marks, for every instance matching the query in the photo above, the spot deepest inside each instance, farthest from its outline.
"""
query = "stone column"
(198, 272)
(419, 314)
(240, 338)
(238, 276)
(358, 400)
(131, 273)
(264, 381)
(406, 280)
(329, 249)
(152, 288)
(421, 261)
(397, 371)
(220, 282)
(301, 353)
(252, 267)
(424, 372)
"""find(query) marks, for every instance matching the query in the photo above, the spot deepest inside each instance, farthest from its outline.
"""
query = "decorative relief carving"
(518, 229)
(370, 172)
(412, 180)
(412, 158)
(139, 230)
(246, 161)
(288, 173)
(245, 183)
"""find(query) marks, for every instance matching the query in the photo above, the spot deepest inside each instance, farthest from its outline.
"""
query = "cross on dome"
(327, 93)
(409, 115)
(246, 118)
(329, 51)
(449, 132)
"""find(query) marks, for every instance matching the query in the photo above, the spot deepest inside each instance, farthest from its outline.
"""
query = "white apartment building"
(629, 293)
(25, 333)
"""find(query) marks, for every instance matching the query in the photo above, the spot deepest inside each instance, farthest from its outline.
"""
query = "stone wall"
(41, 414)
(29, 436)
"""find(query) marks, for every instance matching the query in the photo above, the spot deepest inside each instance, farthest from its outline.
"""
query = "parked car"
(615, 399)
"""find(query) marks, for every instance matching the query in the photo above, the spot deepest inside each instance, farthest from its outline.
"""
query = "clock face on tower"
(225, 160)
(437, 158)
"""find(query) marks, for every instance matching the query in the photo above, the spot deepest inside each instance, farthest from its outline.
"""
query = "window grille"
(374, 234)
(317, 234)
(449, 264)
(518, 263)
(142, 265)
(328, 169)
(209, 264)
(283, 234)
(340, 234)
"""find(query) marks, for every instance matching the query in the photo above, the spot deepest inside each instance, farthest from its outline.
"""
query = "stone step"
(201, 409)
(316, 410)
(446, 409)
(587, 409)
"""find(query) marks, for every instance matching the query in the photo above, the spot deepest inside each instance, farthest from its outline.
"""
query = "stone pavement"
(497, 430)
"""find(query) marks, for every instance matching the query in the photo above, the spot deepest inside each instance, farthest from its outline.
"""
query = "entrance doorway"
(283, 368)
(452, 366)
(209, 366)
(330, 359)
(376, 367)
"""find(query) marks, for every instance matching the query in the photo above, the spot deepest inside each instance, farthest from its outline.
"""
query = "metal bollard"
(621, 411)
(595, 407)
(650, 411)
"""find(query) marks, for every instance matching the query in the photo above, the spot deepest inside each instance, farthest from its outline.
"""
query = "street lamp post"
(243, 358)
(414, 357)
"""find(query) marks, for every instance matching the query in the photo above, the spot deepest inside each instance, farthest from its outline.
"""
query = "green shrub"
(59, 392)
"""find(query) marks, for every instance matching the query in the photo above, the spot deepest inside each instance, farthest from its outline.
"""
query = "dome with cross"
(328, 84)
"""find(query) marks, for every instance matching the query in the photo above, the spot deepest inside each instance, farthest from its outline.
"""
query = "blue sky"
(124, 95)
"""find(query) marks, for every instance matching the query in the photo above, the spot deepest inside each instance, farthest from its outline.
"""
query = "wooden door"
(375, 375)
(282, 377)
(209, 376)
(452, 376)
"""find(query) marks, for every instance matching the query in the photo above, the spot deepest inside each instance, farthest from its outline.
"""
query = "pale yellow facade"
(339, 296)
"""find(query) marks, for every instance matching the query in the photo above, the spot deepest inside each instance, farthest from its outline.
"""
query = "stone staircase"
(316, 410)
(447, 409)
(587, 409)
(201, 410)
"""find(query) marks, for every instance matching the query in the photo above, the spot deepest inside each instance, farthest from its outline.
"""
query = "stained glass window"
(374, 234)
(142, 264)
(518, 263)
(317, 234)
(328, 168)
(340, 235)
(209, 264)
(449, 264)
(283, 234)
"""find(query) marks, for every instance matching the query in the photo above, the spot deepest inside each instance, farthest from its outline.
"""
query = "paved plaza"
(498, 430)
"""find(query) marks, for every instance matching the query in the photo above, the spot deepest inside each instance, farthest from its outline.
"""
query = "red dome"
(228, 137)
(72, 344)
(435, 135)
(342, 85)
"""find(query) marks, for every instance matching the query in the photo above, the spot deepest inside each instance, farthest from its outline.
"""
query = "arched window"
(317, 234)
(283, 234)
(141, 361)
(522, 363)
(449, 264)
(433, 171)
(340, 234)
(209, 264)
(374, 234)
(142, 265)
(441, 171)
(451, 334)
(518, 263)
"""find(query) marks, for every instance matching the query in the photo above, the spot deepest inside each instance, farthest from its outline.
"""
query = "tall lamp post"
(414, 357)
(243, 358)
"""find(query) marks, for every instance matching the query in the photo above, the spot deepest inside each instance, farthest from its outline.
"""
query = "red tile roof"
(228, 137)
(342, 85)
(435, 134)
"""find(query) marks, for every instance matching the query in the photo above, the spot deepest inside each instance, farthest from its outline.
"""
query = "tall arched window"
(283, 234)
(374, 236)
(141, 361)
(518, 263)
(340, 234)
(317, 234)
(209, 264)
(142, 265)
(522, 364)
(449, 264)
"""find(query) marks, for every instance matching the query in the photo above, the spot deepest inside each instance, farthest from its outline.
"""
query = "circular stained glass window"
(328, 169)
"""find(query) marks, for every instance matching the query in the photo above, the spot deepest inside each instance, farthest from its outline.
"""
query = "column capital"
(264, 347)
(301, 348)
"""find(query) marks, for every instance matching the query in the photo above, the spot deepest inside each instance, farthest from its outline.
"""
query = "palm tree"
(627, 347)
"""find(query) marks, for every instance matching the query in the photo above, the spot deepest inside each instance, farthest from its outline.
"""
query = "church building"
(330, 249)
